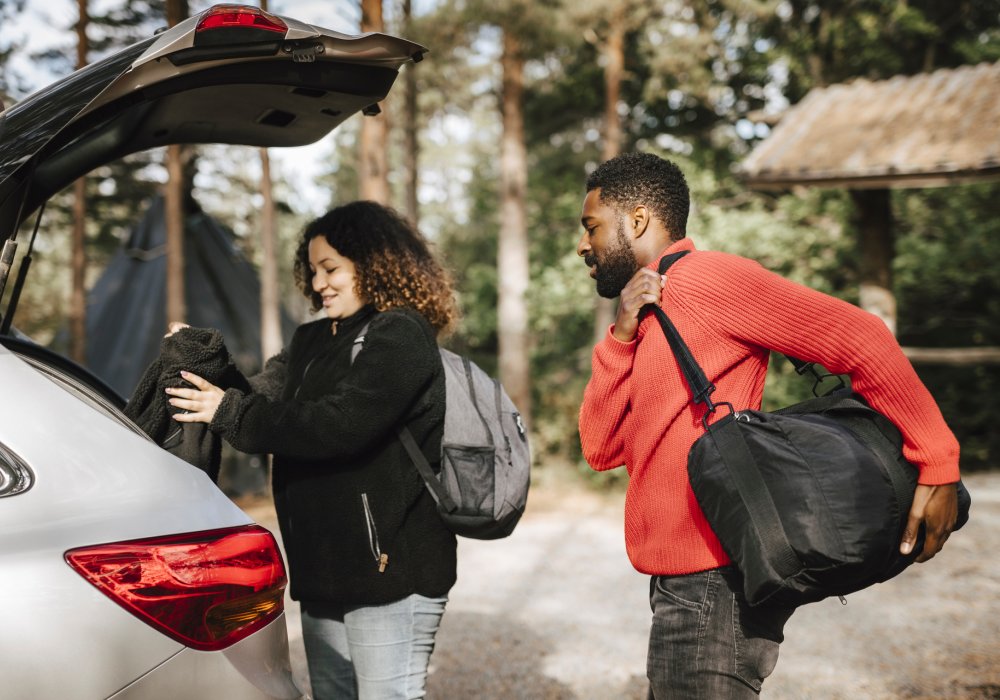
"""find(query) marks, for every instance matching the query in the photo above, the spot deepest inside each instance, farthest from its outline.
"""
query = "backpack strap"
(359, 340)
(410, 443)
(426, 471)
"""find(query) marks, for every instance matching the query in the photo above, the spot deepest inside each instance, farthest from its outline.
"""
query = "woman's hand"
(201, 403)
(173, 327)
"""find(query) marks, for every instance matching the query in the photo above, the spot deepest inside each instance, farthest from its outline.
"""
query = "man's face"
(605, 246)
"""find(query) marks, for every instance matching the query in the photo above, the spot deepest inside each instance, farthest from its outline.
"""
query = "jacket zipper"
(171, 436)
(381, 558)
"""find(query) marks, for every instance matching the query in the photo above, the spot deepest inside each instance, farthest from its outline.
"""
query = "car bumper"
(257, 667)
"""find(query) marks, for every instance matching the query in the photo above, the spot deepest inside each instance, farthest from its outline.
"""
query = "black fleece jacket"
(358, 524)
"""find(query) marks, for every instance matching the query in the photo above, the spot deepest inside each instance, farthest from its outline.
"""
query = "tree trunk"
(373, 166)
(270, 308)
(411, 147)
(78, 287)
(614, 71)
(271, 341)
(177, 11)
(873, 222)
(173, 201)
(512, 252)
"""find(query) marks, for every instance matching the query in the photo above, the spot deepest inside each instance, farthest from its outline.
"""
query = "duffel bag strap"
(732, 446)
(749, 482)
(701, 388)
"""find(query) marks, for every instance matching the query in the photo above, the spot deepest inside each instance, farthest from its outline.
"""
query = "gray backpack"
(482, 488)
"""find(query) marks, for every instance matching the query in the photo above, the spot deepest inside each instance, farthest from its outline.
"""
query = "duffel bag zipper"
(381, 558)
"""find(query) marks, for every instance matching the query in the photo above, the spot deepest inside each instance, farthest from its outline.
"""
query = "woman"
(369, 559)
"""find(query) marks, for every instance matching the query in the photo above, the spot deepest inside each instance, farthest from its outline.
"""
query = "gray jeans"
(706, 642)
(378, 652)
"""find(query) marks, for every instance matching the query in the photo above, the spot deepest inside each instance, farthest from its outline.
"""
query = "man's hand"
(201, 403)
(644, 288)
(937, 508)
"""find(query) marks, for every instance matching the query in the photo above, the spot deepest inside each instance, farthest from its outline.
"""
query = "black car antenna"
(22, 275)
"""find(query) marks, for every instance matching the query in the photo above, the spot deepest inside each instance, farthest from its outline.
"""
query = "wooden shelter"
(927, 130)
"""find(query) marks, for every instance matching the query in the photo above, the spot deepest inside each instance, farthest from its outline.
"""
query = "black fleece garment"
(358, 524)
(198, 350)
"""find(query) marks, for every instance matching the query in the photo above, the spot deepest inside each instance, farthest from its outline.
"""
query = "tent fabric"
(126, 309)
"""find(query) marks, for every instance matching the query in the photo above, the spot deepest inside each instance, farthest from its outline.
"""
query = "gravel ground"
(556, 612)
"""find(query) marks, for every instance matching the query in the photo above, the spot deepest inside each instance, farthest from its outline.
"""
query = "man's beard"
(616, 268)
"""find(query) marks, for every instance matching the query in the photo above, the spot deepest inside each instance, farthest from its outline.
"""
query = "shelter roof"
(924, 130)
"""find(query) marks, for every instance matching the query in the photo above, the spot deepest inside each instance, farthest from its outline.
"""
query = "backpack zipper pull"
(383, 561)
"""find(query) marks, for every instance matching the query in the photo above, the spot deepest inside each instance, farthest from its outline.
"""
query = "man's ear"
(639, 220)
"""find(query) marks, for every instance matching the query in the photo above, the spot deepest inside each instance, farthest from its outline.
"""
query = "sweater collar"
(684, 244)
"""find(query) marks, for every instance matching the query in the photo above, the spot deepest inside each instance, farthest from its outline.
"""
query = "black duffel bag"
(809, 501)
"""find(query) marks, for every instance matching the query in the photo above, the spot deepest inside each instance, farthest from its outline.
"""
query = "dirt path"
(556, 612)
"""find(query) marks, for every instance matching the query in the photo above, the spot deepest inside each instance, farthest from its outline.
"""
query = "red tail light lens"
(240, 16)
(207, 590)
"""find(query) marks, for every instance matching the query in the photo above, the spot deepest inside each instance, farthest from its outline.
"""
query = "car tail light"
(231, 17)
(207, 590)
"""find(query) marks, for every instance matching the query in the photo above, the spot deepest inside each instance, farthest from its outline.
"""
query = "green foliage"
(947, 282)
(829, 41)
(470, 252)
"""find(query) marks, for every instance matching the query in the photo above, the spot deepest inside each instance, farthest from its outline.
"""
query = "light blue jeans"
(378, 652)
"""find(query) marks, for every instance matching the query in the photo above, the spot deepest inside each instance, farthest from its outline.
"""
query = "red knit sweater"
(636, 409)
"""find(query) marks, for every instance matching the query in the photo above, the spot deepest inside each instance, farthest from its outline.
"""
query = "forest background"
(487, 143)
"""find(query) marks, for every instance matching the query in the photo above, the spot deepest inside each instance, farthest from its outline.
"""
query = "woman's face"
(333, 279)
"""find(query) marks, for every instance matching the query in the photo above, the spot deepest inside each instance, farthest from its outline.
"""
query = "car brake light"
(239, 16)
(207, 590)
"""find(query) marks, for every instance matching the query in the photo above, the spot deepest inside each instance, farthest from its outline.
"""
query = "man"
(705, 641)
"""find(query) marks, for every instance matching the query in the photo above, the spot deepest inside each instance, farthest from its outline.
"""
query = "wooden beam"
(953, 356)
(788, 180)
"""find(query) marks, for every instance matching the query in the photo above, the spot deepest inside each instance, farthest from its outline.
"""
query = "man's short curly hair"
(631, 179)
(394, 266)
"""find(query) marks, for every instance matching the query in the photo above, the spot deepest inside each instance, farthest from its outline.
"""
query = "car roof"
(162, 91)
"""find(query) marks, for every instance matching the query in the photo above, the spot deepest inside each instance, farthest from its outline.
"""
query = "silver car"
(124, 571)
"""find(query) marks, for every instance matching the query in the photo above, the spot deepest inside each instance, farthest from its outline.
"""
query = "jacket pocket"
(380, 557)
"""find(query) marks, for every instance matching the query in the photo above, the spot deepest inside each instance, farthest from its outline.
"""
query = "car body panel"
(47, 600)
(136, 490)
(233, 673)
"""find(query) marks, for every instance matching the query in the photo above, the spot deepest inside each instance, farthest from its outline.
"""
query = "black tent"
(126, 309)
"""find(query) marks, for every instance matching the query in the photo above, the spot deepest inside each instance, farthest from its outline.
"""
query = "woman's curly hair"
(394, 266)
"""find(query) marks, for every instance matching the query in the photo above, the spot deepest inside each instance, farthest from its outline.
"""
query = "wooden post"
(873, 222)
